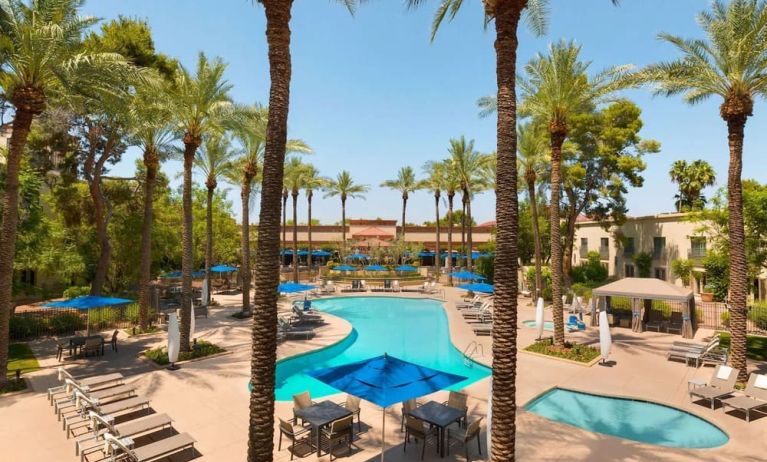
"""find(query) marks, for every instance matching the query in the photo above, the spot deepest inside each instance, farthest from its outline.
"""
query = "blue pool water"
(547, 325)
(415, 330)
(630, 419)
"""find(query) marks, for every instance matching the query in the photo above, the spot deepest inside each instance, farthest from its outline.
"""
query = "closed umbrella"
(539, 317)
(605, 339)
(191, 325)
(205, 292)
(174, 341)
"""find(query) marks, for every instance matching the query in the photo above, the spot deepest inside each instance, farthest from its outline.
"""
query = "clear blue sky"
(370, 93)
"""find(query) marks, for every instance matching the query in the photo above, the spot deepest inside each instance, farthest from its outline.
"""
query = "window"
(697, 247)
(629, 271)
(604, 248)
(584, 249)
(628, 249)
(658, 246)
(660, 273)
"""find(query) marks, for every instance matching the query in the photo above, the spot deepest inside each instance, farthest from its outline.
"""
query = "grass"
(138, 331)
(572, 351)
(20, 357)
(199, 350)
(756, 346)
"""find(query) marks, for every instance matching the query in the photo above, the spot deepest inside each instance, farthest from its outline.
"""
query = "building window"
(604, 248)
(584, 249)
(628, 249)
(629, 271)
(658, 246)
(28, 277)
(697, 247)
(660, 273)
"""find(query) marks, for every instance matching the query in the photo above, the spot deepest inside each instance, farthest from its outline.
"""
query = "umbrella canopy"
(292, 287)
(376, 268)
(345, 268)
(357, 256)
(468, 275)
(480, 287)
(321, 253)
(426, 253)
(223, 269)
(178, 274)
(408, 268)
(86, 303)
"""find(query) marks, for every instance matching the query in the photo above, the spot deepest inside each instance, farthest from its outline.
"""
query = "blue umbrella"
(293, 287)
(480, 287)
(357, 256)
(321, 253)
(376, 268)
(286, 252)
(426, 253)
(302, 253)
(178, 274)
(223, 269)
(408, 268)
(86, 303)
(345, 268)
(385, 380)
(468, 275)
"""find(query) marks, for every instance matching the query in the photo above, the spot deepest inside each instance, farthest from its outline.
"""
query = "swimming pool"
(547, 325)
(415, 330)
(630, 419)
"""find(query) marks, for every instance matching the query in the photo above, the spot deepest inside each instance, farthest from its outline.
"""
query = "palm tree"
(295, 171)
(263, 362)
(452, 184)
(213, 160)
(312, 181)
(435, 182)
(692, 179)
(344, 187)
(405, 183)
(730, 64)
(555, 88)
(42, 55)
(201, 104)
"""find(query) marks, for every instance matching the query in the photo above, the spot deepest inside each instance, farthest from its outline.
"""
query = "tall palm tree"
(405, 183)
(285, 195)
(264, 356)
(556, 87)
(344, 187)
(295, 172)
(201, 105)
(692, 179)
(42, 57)
(728, 63)
(312, 181)
(435, 182)
(452, 184)
(213, 161)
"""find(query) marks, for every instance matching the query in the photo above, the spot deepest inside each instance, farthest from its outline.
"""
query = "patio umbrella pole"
(383, 433)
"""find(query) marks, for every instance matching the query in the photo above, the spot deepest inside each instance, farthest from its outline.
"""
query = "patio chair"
(464, 437)
(675, 322)
(93, 344)
(292, 331)
(306, 318)
(458, 400)
(301, 401)
(153, 451)
(655, 321)
(352, 404)
(484, 310)
(417, 429)
(574, 324)
(101, 425)
(407, 406)
(473, 303)
(395, 286)
(340, 430)
(296, 435)
(715, 356)
(721, 383)
(363, 286)
(113, 341)
(91, 382)
(754, 396)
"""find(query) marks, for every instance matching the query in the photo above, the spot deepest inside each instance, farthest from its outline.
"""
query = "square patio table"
(440, 416)
(321, 414)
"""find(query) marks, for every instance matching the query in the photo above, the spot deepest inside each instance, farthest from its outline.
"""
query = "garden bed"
(21, 358)
(572, 352)
(201, 349)
(756, 345)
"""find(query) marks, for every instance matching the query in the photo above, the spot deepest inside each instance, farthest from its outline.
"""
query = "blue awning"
(223, 269)
(321, 253)
(480, 287)
(426, 253)
(86, 302)
(292, 287)
(409, 268)
(345, 268)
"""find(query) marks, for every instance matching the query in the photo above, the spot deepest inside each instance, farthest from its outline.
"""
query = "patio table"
(320, 415)
(440, 416)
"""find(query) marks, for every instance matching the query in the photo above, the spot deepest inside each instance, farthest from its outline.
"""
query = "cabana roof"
(644, 288)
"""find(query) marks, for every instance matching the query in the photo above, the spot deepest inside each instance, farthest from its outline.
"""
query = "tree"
(344, 187)
(295, 171)
(213, 160)
(452, 183)
(692, 178)
(405, 183)
(201, 104)
(435, 182)
(312, 181)
(729, 64)
(264, 354)
(43, 58)
(557, 87)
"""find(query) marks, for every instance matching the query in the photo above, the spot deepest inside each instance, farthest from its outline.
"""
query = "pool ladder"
(472, 349)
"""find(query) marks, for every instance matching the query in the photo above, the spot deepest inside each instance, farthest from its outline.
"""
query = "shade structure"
(637, 313)
(605, 339)
(86, 303)
(293, 287)
(406, 268)
(345, 268)
(376, 268)
(223, 269)
(480, 287)
(385, 380)
(539, 317)
(468, 276)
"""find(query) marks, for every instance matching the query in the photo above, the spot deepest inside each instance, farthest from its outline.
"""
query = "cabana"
(641, 292)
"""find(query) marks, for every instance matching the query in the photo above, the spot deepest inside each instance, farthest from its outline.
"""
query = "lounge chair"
(69, 402)
(715, 356)
(675, 322)
(574, 324)
(153, 451)
(688, 351)
(483, 328)
(473, 303)
(86, 404)
(92, 382)
(484, 310)
(753, 398)
(721, 384)
(303, 317)
(655, 321)
(395, 286)
(104, 424)
(292, 331)
(328, 288)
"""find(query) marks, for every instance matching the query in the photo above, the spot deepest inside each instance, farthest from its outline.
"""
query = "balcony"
(628, 252)
(696, 254)
(584, 252)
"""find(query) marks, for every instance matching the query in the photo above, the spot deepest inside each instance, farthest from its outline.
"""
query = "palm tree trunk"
(462, 256)
(209, 242)
(557, 138)
(295, 236)
(537, 240)
(21, 124)
(436, 246)
(343, 228)
(309, 195)
(449, 262)
(190, 147)
(101, 217)
(404, 208)
(152, 164)
(245, 243)
(738, 263)
(264, 341)
(469, 237)
(507, 15)
(285, 227)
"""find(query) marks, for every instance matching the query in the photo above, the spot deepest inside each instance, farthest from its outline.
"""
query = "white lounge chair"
(101, 425)
(92, 382)
(121, 450)
(85, 404)
(721, 384)
(754, 396)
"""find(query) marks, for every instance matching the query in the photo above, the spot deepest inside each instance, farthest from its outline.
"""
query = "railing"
(471, 349)
(604, 254)
(696, 254)
(30, 323)
(715, 315)
(584, 252)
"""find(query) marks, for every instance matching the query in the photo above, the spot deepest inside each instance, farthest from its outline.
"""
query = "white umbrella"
(605, 339)
(191, 325)
(174, 339)
(539, 317)
(204, 297)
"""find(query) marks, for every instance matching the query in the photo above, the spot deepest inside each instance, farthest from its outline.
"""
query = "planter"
(707, 296)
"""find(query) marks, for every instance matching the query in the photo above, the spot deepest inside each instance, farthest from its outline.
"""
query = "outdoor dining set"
(85, 345)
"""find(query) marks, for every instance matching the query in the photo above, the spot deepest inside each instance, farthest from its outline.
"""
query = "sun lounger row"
(89, 408)
(388, 286)
(721, 387)
(699, 353)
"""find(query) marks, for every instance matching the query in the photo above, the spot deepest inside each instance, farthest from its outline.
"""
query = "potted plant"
(707, 295)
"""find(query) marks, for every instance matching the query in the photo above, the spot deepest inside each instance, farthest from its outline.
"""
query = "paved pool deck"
(209, 398)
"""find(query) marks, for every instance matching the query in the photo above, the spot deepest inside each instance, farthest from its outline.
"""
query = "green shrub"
(582, 290)
(591, 271)
(757, 313)
(76, 291)
(199, 350)
(725, 317)
(545, 277)
(643, 260)
(22, 327)
(67, 322)
(485, 266)
(620, 303)
(572, 351)
(682, 269)
(717, 275)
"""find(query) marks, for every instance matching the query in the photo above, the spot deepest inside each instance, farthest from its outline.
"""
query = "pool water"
(547, 325)
(415, 330)
(630, 419)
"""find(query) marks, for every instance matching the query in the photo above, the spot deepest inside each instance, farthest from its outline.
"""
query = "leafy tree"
(591, 271)
(717, 268)
(405, 183)
(294, 178)
(643, 260)
(436, 178)
(682, 268)
(691, 178)
(344, 187)
(312, 181)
